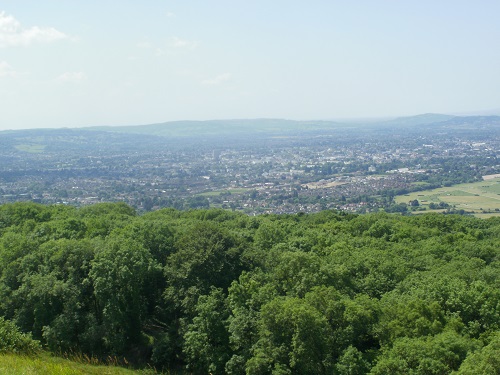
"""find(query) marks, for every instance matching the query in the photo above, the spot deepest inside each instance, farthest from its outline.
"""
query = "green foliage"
(154, 235)
(13, 341)
(352, 363)
(485, 361)
(116, 210)
(206, 341)
(268, 234)
(18, 213)
(120, 271)
(207, 256)
(408, 317)
(214, 291)
(295, 273)
(438, 354)
(294, 338)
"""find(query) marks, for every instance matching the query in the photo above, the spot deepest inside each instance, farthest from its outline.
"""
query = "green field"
(216, 193)
(31, 148)
(482, 198)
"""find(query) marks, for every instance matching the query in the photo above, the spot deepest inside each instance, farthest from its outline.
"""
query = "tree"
(352, 363)
(207, 256)
(294, 337)
(54, 297)
(206, 341)
(120, 273)
(440, 354)
(485, 361)
(155, 235)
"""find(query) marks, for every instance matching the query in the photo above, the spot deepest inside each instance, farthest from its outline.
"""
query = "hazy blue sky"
(81, 63)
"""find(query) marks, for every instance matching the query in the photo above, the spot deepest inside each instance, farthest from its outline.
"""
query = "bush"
(13, 341)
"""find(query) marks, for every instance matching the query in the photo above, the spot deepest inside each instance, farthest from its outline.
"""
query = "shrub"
(13, 341)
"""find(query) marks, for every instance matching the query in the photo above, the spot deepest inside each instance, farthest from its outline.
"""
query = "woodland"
(221, 292)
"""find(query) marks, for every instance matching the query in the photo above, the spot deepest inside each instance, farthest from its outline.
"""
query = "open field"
(31, 148)
(224, 191)
(482, 197)
(323, 185)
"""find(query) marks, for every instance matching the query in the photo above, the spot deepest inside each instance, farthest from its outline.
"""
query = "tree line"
(213, 291)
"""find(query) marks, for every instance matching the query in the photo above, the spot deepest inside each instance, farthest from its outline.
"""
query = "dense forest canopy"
(212, 291)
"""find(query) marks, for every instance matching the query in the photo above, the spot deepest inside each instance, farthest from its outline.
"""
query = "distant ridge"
(243, 127)
(423, 119)
(223, 127)
(258, 128)
(474, 121)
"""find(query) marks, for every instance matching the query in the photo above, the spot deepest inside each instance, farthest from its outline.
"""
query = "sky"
(73, 63)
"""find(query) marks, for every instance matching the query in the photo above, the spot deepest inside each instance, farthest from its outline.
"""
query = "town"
(352, 168)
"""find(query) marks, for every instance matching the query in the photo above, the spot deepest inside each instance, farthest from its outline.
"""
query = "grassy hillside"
(12, 364)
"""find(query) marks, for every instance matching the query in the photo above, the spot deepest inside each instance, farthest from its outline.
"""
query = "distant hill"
(424, 119)
(238, 127)
(128, 138)
(223, 127)
(74, 140)
(474, 122)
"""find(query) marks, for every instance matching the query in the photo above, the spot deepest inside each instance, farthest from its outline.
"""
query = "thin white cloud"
(160, 52)
(221, 78)
(143, 45)
(174, 46)
(183, 43)
(6, 70)
(13, 34)
(72, 77)
(170, 14)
